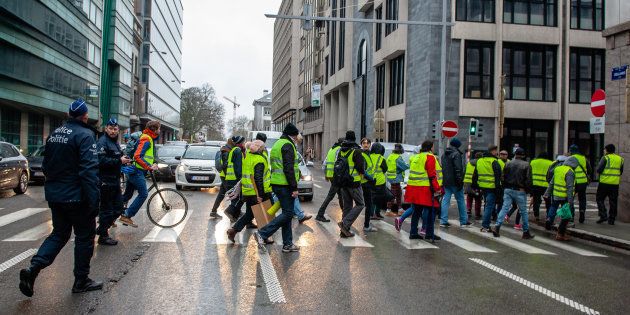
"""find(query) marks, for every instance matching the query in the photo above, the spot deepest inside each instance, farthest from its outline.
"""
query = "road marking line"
(508, 242)
(402, 237)
(318, 186)
(33, 234)
(274, 289)
(19, 215)
(168, 235)
(569, 248)
(17, 259)
(536, 287)
(333, 229)
(462, 243)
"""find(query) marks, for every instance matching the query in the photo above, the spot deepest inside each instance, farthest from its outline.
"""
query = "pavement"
(194, 269)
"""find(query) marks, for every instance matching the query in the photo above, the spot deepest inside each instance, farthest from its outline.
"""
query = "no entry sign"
(598, 103)
(450, 129)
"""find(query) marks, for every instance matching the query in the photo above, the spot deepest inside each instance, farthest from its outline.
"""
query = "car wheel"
(23, 184)
(179, 187)
(308, 198)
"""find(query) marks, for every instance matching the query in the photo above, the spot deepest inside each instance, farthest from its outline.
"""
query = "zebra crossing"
(478, 242)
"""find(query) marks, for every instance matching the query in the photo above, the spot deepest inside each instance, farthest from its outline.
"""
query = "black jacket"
(109, 154)
(357, 158)
(452, 168)
(288, 162)
(71, 165)
(517, 175)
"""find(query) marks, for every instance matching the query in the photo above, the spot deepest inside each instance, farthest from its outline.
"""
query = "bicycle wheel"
(167, 208)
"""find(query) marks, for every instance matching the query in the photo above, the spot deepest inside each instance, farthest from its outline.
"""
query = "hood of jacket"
(450, 150)
(377, 148)
(571, 162)
(345, 146)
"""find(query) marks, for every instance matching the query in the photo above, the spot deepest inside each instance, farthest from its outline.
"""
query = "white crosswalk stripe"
(19, 215)
(462, 243)
(333, 229)
(168, 235)
(569, 248)
(32, 234)
(508, 242)
(402, 237)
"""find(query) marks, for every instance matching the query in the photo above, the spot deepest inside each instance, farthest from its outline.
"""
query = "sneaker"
(346, 236)
(423, 232)
(506, 218)
(601, 220)
(485, 230)
(445, 225)
(321, 219)
(106, 240)
(259, 239)
(344, 230)
(466, 225)
(215, 216)
(27, 280)
(527, 235)
(495, 231)
(290, 248)
(435, 238)
(518, 227)
(127, 221)
(86, 285)
(305, 218)
(231, 233)
(415, 237)
(397, 224)
(370, 229)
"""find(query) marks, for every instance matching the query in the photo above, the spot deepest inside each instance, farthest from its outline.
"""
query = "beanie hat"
(456, 142)
(77, 108)
(290, 130)
(574, 149)
(610, 148)
(350, 136)
(238, 139)
(519, 151)
(261, 136)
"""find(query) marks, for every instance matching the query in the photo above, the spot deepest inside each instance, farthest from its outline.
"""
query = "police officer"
(610, 169)
(110, 159)
(72, 192)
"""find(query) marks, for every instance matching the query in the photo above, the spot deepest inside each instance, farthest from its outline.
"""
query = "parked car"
(167, 164)
(196, 167)
(215, 143)
(177, 142)
(305, 184)
(35, 160)
(14, 172)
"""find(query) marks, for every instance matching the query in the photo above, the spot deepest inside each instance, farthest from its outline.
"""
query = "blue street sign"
(619, 73)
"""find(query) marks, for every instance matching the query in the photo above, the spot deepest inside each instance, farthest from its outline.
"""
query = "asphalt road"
(199, 271)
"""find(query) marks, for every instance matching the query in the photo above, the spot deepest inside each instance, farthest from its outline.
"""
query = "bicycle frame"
(155, 185)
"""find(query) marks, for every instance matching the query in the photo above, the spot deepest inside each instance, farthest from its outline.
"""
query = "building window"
(35, 132)
(479, 70)
(397, 81)
(10, 121)
(533, 12)
(586, 73)
(378, 28)
(475, 10)
(342, 34)
(395, 131)
(326, 65)
(362, 59)
(267, 111)
(391, 13)
(587, 14)
(380, 86)
(333, 39)
(530, 72)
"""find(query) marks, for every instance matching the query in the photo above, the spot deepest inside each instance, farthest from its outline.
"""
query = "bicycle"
(170, 209)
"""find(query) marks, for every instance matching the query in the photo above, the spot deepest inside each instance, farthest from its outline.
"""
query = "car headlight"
(182, 168)
(162, 165)
(307, 178)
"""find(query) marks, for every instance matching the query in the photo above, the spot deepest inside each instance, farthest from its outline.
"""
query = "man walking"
(610, 169)
(582, 178)
(561, 187)
(110, 159)
(473, 195)
(144, 158)
(453, 174)
(367, 184)
(71, 189)
(233, 173)
(334, 189)
(517, 181)
(379, 193)
(540, 168)
(487, 177)
(396, 168)
(352, 192)
(285, 174)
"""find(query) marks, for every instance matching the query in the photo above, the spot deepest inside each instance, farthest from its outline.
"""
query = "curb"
(586, 235)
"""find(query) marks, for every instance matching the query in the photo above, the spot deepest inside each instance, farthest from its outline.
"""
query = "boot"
(231, 233)
(106, 240)
(527, 235)
(581, 219)
(495, 231)
(611, 221)
(27, 280)
(85, 285)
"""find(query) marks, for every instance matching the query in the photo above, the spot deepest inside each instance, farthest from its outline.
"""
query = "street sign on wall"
(449, 129)
(316, 92)
(619, 73)
(598, 125)
(598, 103)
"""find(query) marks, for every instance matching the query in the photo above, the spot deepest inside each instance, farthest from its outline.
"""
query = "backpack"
(132, 144)
(341, 170)
(218, 163)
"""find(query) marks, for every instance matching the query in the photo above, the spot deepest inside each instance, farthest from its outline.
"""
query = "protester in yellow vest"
(285, 174)
(329, 165)
(487, 177)
(396, 168)
(367, 184)
(561, 189)
(473, 194)
(233, 173)
(380, 194)
(352, 193)
(582, 178)
(610, 169)
(255, 184)
(540, 168)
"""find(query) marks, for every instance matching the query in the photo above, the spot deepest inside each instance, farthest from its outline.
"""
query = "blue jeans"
(461, 204)
(428, 220)
(287, 202)
(138, 181)
(299, 213)
(490, 198)
(510, 196)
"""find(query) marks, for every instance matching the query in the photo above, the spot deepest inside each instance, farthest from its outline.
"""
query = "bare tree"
(239, 126)
(199, 109)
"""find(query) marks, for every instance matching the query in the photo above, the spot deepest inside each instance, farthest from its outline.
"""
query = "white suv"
(196, 168)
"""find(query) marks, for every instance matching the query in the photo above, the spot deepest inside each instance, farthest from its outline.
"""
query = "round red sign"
(450, 129)
(598, 103)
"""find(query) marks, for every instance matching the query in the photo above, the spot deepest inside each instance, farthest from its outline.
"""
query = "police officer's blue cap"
(112, 122)
(77, 108)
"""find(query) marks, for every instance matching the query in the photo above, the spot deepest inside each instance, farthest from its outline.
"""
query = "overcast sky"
(229, 44)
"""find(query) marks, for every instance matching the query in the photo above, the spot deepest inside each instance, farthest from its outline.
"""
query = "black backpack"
(341, 170)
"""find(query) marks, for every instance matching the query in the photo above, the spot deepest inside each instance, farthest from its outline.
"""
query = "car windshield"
(170, 151)
(200, 153)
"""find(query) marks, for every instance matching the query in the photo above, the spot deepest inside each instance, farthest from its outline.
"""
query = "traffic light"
(479, 130)
(473, 127)
(434, 130)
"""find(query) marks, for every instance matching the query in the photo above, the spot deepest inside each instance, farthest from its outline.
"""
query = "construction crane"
(236, 105)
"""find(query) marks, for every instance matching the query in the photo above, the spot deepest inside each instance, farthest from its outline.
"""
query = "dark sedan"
(35, 160)
(166, 161)
(14, 171)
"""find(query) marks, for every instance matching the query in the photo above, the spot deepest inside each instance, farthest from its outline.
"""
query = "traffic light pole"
(442, 78)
